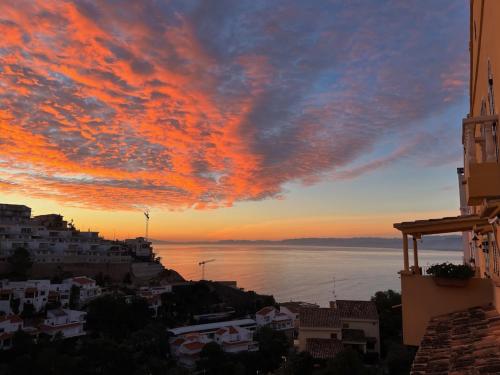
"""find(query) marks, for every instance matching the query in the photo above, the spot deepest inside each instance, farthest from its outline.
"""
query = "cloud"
(119, 104)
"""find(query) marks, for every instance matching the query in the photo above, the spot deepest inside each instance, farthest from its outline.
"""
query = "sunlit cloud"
(122, 104)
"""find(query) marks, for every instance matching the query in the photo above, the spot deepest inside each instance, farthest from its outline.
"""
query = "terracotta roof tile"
(463, 342)
(356, 309)
(319, 317)
(323, 348)
(265, 310)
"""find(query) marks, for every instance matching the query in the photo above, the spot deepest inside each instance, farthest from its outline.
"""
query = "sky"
(233, 119)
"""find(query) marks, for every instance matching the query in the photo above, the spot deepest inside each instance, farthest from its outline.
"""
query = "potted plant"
(449, 274)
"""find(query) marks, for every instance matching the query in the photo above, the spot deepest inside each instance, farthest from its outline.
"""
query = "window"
(345, 325)
(333, 335)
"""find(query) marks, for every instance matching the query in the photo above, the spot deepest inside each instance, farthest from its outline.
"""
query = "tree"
(28, 310)
(273, 346)
(347, 362)
(390, 316)
(113, 317)
(300, 363)
(74, 297)
(14, 305)
(20, 263)
(213, 360)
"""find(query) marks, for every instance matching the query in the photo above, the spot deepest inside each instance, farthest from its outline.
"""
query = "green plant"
(451, 271)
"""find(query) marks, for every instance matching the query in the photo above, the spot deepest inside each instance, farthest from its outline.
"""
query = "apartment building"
(431, 310)
(64, 322)
(51, 239)
(325, 331)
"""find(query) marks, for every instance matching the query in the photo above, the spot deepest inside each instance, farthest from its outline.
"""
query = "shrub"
(451, 271)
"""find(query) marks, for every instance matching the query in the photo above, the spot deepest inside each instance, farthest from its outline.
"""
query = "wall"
(116, 271)
(315, 333)
(370, 328)
(423, 299)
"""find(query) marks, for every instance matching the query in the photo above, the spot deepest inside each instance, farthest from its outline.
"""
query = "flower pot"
(454, 283)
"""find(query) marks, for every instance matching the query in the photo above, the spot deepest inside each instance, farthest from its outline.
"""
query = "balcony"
(481, 159)
(422, 297)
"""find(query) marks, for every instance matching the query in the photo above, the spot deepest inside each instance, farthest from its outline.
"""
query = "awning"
(443, 225)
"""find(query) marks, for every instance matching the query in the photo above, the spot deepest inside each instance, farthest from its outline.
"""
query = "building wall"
(423, 299)
(316, 333)
(484, 47)
(116, 271)
(370, 328)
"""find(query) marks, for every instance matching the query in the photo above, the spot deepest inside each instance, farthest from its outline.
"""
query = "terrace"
(422, 297)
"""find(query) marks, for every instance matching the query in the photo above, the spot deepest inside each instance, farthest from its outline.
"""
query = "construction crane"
(202, 264)
(146, 215)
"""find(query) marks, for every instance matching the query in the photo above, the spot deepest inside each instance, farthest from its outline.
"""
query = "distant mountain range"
(451, 243)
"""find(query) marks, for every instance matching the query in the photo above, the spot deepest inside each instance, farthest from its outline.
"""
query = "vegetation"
(20, 264)
(451, 271)
(122, 339)
(203, 297)
(396, 357)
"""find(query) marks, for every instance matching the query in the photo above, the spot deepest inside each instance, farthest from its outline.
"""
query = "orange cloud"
(148, 103)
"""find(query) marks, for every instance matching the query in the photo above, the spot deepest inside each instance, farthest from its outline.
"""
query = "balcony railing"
(481, 158)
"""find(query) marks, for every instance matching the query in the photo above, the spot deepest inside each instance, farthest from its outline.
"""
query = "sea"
(312, 274)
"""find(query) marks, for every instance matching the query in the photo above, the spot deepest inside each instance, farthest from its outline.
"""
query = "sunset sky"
(233, 119)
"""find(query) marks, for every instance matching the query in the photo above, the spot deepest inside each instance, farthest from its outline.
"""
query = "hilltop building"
(456, 327)
(53, 242)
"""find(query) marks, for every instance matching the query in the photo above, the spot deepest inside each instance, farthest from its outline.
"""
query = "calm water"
(298, 273)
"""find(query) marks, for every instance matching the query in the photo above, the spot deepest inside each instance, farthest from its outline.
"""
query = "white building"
(51, 239)
(140, 248)
(209, 329)
(345, 323)
(87, 286)
(30, 292)
(234, 336)
(39, 293)
(9, 325)
(234, 339)
(68, 323)
(272, 317)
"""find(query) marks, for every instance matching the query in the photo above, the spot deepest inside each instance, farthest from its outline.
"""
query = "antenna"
(334, 292)
(146, 214)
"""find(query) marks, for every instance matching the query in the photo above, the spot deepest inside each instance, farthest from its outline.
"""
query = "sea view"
(298, 273)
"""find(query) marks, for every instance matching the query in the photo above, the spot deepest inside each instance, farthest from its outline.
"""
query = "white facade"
(277, 320)
(68, 323)
(30, 292)
(39, 293)
(235, 340)
(50, 239)
(9, 325)
(88, 287)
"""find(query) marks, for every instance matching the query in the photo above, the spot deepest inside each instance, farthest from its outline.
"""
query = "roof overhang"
(443, 225)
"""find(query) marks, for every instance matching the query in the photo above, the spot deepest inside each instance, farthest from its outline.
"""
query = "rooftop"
(319, 317)
(463, 342)
(323, 348)
(356, 309)
(83, 280)
(211, 326)
(265, 310)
